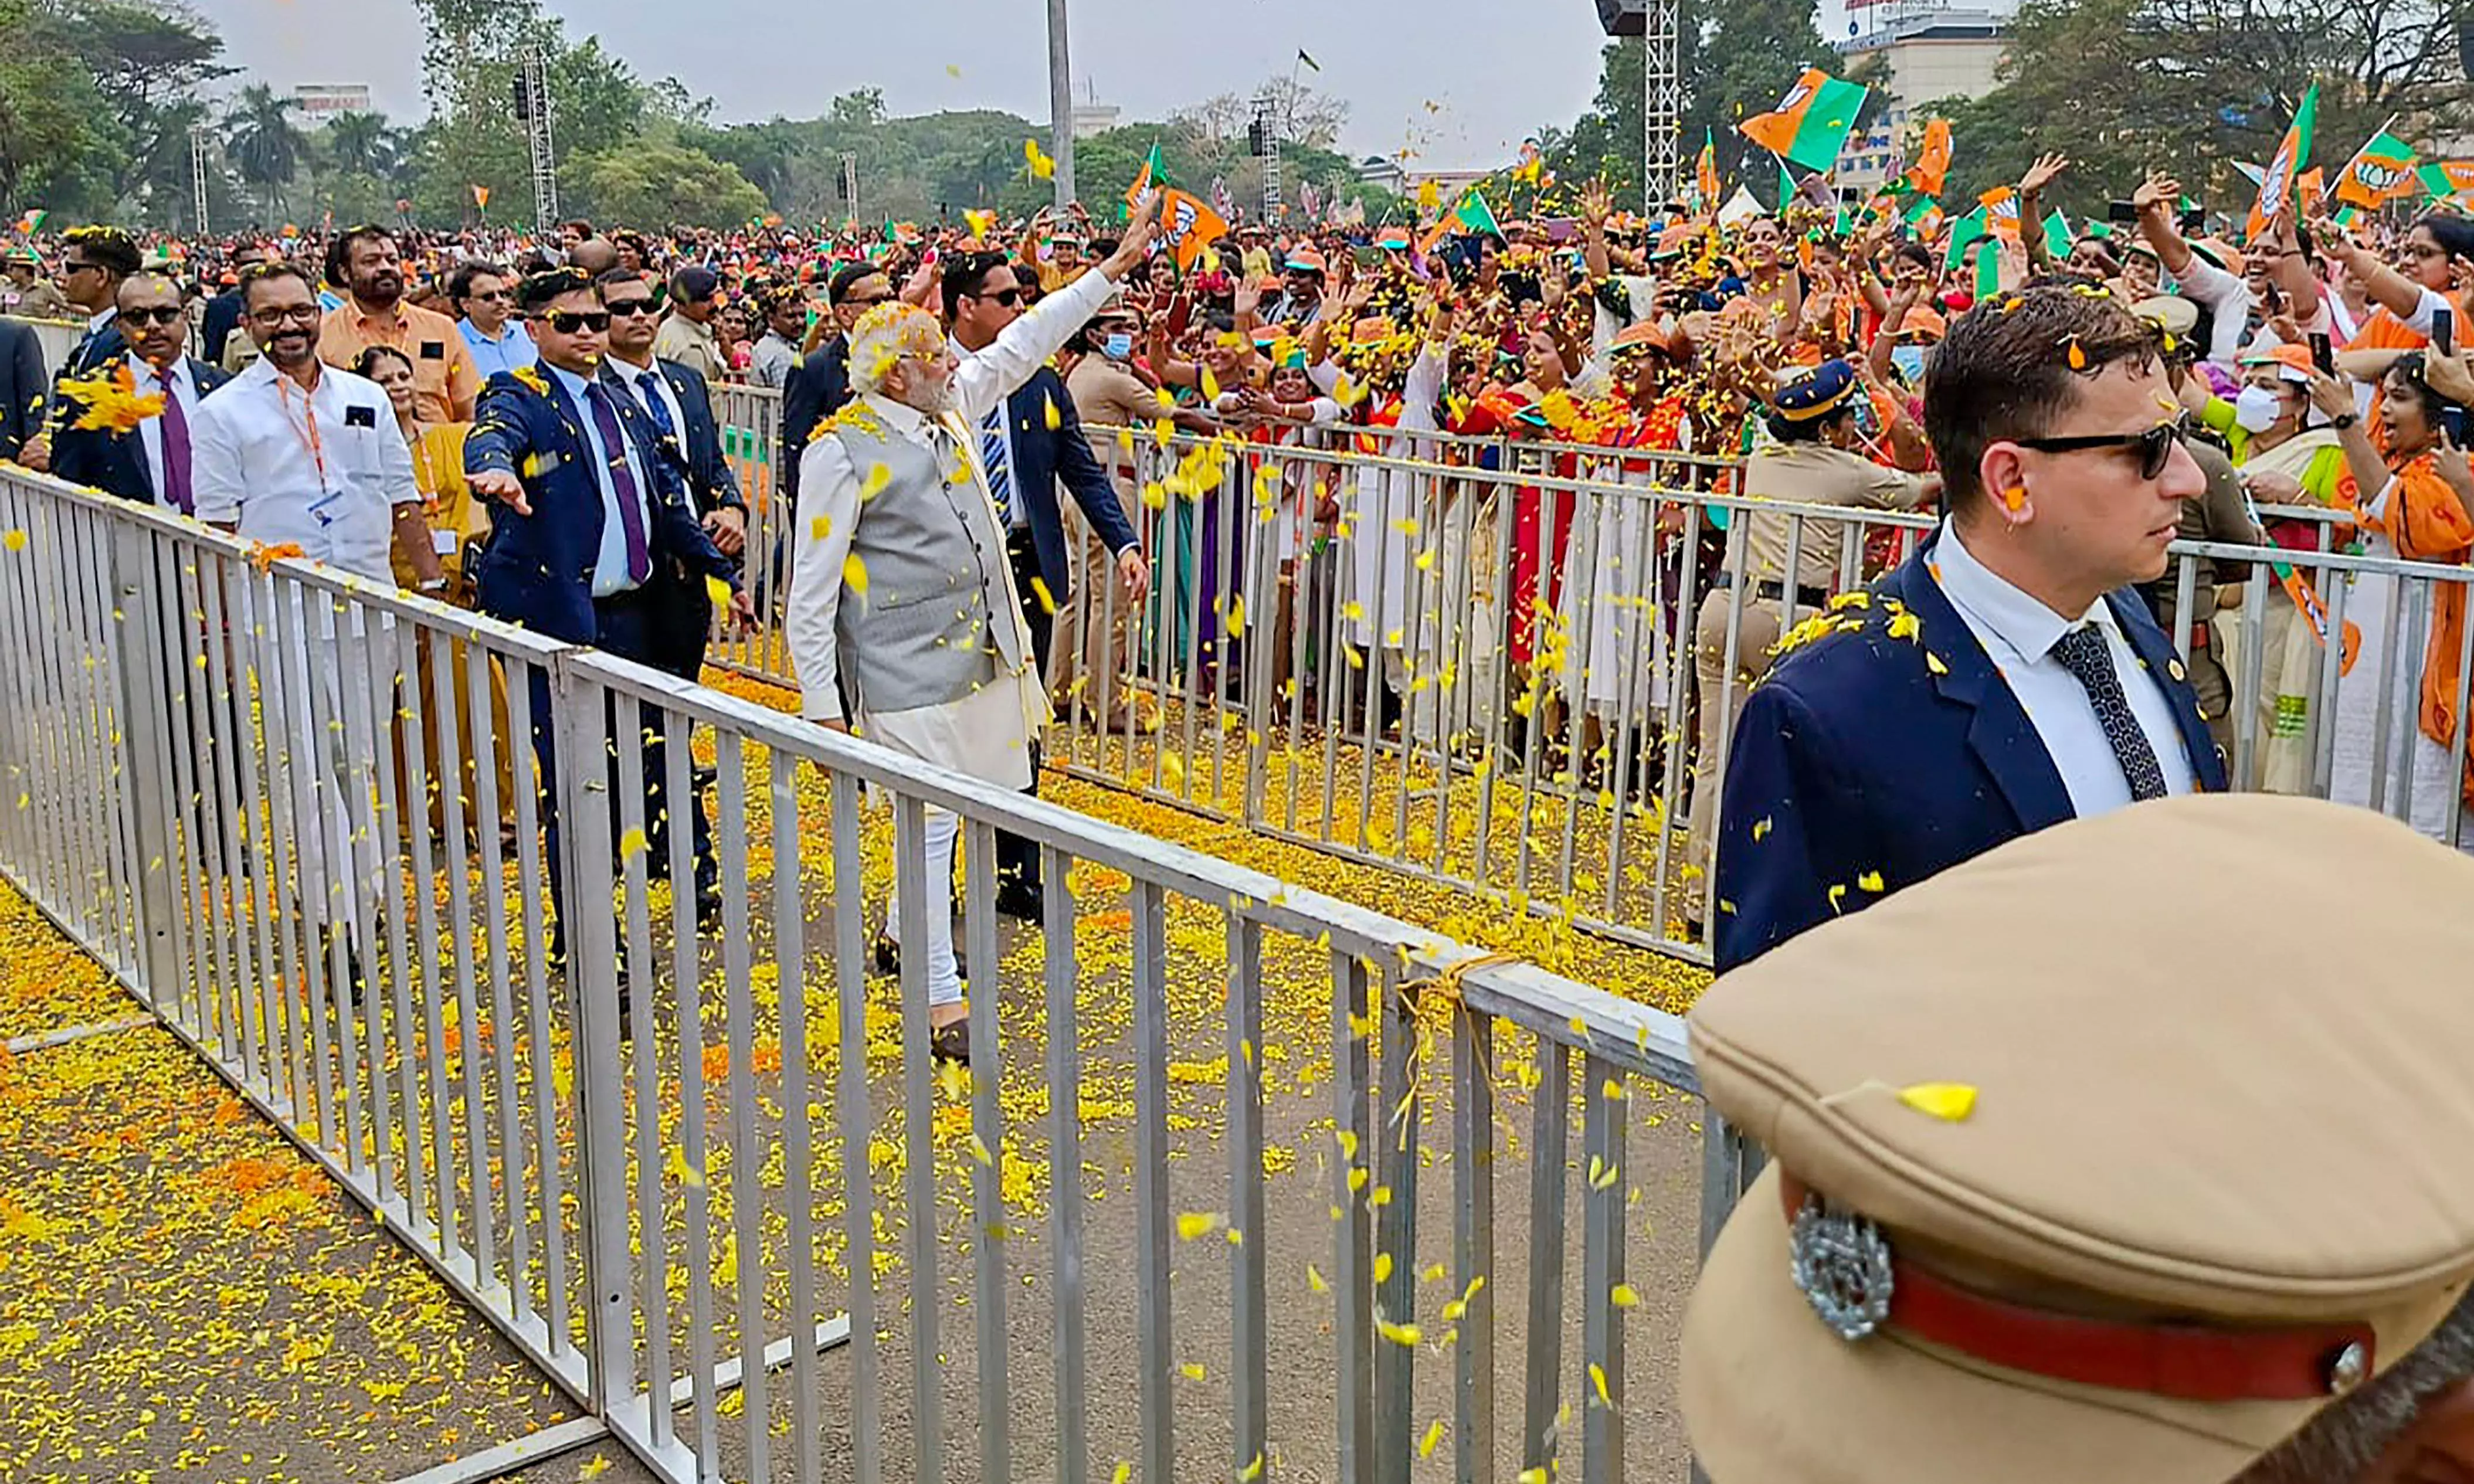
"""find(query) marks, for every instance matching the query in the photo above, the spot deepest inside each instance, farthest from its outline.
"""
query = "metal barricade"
(1197, 1131)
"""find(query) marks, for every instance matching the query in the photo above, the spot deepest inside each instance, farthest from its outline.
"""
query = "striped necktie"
(997, 458)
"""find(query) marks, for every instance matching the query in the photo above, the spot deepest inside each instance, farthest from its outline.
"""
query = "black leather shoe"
(1022, 902)
(951, 1043)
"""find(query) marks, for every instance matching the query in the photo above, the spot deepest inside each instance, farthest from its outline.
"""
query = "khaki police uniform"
(2084, 1169)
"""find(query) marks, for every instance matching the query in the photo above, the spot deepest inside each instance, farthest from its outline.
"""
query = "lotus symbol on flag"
(1794, 95)
(2377, 175)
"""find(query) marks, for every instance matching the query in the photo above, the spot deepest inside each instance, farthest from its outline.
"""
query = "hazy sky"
(1462, 82)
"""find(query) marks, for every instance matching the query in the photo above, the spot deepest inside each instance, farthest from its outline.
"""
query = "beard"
(933, 400)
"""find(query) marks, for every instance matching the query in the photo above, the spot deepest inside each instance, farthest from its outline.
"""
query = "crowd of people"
(1782, 357)
(529, 428)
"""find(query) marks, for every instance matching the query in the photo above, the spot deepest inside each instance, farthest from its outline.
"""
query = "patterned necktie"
(622, 480)
(176, 451)
(997, 458)
(648, 384)
(2085, 654)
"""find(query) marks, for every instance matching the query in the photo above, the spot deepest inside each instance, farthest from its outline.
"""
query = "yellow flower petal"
(1949, 1102)
(1195, 1223)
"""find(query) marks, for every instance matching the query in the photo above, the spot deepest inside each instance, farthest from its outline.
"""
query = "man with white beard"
(902, 587)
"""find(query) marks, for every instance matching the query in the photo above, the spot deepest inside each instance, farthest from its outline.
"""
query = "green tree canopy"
(663, 184)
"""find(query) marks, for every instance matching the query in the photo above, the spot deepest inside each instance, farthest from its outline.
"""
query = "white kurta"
(986, 733)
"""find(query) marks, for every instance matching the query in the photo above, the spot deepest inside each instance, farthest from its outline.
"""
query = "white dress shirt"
(637, 377)
(610, 575)
(986, 733)
(2019, 633)
(1016, 511)
(322, 470)
(178, 385)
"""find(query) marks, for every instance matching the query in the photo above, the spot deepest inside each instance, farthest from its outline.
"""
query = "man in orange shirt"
(367, 264)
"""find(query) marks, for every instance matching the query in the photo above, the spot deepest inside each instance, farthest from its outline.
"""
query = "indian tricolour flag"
(2292, 157)
(1810, 123)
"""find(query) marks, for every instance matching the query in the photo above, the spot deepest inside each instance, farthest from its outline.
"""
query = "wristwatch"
(434, 585)
(2340, 423)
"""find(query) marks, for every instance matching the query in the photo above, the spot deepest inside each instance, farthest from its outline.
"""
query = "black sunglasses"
(161, 314)
(67, 268)
(2155, 446)
(572, 322)
(1012, 297)
(627, 308)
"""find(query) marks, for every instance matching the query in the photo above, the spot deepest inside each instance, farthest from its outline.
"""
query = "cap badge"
(1841, 1263)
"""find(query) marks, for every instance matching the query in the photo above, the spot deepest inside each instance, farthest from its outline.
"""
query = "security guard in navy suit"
(2008, 676)
(91, 269)
(679, 406)
(588, 510)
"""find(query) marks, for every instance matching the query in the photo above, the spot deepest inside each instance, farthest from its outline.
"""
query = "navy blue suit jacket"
(537, 569)
(115, 463)
(819, 386)
(696, 451)
(1042, 458)
(25, 389)
(222, 323)
(1856, 756)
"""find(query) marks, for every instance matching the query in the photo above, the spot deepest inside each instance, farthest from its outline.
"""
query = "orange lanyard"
(305, 427)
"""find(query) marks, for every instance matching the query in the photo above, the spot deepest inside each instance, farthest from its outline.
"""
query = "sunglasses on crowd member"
(496, 296)
(628, 308)
(575, 322)
(161, 314)
(2155, 446)
(1010, 298)
(68, 267)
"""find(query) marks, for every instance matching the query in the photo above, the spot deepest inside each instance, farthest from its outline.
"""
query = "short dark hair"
(2011, 368)
(267, 271)
(848, 277)
(538, 291)
(339, 251)
(965, 275)
(366, 363)
(459, 284)
(108, 248)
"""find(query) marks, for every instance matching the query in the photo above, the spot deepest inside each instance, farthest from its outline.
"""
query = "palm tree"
(361, 144)
(264, 146)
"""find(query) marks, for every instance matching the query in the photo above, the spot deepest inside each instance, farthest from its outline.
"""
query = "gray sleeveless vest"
(937, 622)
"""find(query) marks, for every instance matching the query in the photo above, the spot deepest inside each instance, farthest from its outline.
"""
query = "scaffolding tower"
(535, 93)
(198, 147)
(1662, 148)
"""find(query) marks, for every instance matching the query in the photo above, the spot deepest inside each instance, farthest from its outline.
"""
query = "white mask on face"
(2256, 409)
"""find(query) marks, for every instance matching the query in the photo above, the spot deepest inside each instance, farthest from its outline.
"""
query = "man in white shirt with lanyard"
(295, 454)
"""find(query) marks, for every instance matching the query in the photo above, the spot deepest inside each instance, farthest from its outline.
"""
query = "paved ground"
(285, 1328)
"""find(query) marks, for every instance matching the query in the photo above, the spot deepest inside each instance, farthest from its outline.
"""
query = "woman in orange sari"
(2398, 751)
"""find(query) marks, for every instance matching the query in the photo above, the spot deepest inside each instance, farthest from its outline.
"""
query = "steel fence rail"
(1517, 669)
(691, 1156)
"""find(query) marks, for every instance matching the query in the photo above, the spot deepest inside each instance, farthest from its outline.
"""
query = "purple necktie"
(176, 450)
(631, 513)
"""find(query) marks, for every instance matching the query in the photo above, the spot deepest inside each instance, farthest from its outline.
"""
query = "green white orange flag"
(2057, 234)
(1962, 231)
(1154, 173)
(1810, 123)
(2379, 172)
(1931, 170)
(2446, 179)
(1190, 226)
(1705, 173)
(2293, 157)
(1925, 218)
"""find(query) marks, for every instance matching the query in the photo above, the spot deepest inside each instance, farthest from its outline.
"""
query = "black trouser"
(1018, 859)
(630, 624)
